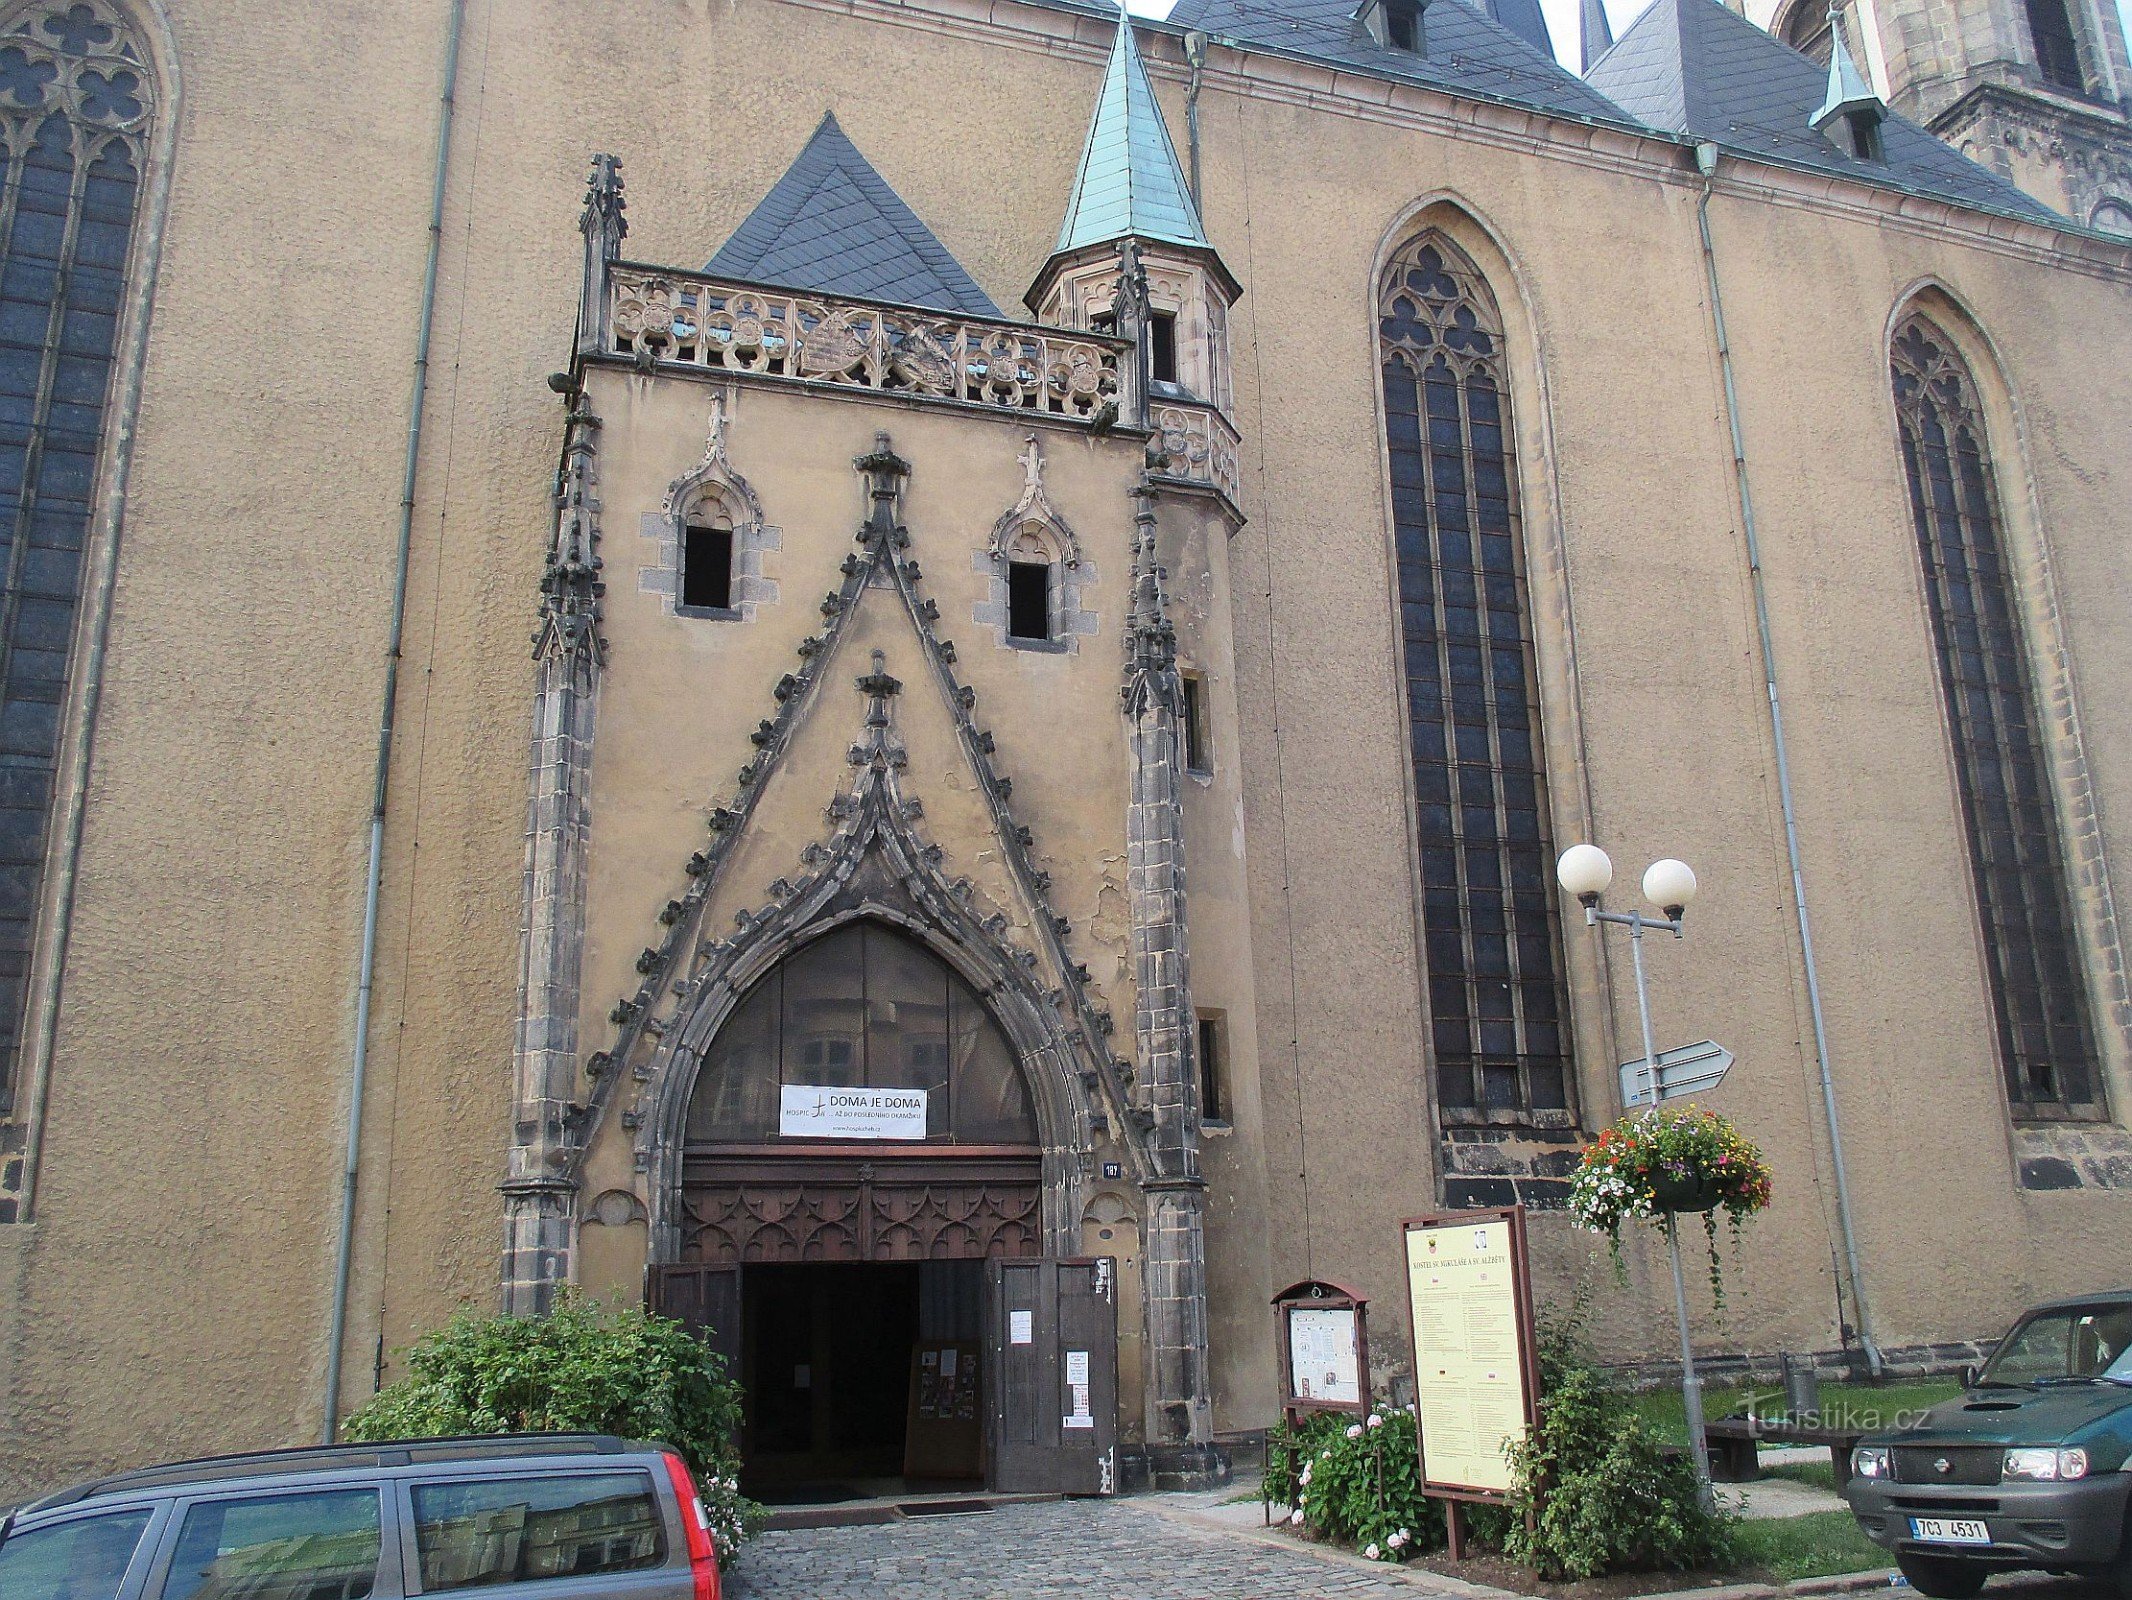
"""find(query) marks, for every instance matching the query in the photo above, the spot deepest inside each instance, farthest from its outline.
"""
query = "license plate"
(1949, 1530)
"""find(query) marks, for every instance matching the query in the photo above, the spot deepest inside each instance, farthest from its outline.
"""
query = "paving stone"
(1071, 1549)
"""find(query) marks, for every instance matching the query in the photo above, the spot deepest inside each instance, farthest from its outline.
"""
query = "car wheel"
(2116, 1579)
(1941, 1577)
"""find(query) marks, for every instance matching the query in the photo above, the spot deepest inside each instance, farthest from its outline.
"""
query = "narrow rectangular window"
(2050, 25)
(1196, 754)
(1162, 346)
(1029, 600)
(707, 568)
(1213, 1106)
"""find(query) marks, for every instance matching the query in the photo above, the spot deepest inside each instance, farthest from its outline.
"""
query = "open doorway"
(862, 1379)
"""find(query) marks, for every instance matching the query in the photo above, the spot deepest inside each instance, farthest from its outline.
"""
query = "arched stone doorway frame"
(882, 872)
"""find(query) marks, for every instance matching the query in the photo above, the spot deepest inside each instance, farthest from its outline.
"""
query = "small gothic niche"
(711, 534)
(1038, 572)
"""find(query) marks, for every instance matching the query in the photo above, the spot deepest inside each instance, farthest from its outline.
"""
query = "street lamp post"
(1585, 871)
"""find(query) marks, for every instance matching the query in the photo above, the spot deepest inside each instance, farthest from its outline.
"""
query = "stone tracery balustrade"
(717, 325)
(731, 327)
(1196, 443)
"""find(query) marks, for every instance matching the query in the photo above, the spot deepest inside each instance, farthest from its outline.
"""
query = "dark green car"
(2031, 1467)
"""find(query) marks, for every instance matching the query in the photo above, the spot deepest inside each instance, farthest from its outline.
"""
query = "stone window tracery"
(1492, 951)
(76, 101)
(2039, 1004)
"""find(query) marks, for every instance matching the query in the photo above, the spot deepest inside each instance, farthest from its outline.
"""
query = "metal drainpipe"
(374, 872)
(1706, 155)
(1195, 54)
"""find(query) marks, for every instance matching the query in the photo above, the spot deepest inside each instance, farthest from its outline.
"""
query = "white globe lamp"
(1584, 871)
(1669, 885)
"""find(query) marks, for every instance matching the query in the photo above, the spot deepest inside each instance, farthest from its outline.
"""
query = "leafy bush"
(583, 1368)
(1610, 1497)
(1355, 1483)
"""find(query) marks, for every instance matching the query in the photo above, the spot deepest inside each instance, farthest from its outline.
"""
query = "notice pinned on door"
(1077, 1385)
(812, 1111)
(1021, 1327)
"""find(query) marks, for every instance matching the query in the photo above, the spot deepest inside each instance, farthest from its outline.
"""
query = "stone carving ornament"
(1034, 512)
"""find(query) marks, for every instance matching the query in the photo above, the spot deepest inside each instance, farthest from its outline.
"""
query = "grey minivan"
(522, 1517)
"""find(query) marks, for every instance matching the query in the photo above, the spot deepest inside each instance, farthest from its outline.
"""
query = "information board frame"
(1321, 1294)
(1527, 1337)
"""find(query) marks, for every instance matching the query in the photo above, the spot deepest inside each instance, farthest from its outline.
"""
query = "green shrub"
(1610, 1497)
(583, 1368)
(1355, 1482)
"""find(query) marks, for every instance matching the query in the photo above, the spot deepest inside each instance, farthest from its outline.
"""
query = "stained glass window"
(2038, 1000)
(74, 107)
(1498, 1013)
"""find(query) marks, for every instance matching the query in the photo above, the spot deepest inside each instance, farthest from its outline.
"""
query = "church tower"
(2039, 91)
(1131, 209)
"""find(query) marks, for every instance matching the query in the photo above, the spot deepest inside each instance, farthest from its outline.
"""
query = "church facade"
(903, 677)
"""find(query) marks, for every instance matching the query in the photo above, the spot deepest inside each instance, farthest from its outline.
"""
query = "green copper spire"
(1129, 182)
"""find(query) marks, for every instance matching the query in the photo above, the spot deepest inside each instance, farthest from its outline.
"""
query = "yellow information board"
(1468, 1294)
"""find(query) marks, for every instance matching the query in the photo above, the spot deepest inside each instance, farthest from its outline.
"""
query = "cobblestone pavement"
(1086, 1550)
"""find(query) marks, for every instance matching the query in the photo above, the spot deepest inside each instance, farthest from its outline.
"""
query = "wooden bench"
(1734, 1443)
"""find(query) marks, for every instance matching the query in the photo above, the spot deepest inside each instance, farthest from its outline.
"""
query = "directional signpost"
(1685, 1069)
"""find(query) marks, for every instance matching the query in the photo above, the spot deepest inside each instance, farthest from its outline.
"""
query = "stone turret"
(1132, 221)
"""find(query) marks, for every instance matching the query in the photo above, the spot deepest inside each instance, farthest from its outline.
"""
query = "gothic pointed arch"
(2027, 920)
(86, 92)
(1494, 972)
(874, 869)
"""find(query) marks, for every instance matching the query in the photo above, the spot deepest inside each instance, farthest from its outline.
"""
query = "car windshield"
(2078, 1342)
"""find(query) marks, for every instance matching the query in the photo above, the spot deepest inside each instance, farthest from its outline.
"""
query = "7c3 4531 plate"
(1949, 1530)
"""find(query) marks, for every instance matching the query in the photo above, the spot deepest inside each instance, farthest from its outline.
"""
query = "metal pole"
(1643, 1010)
(1691, 1387)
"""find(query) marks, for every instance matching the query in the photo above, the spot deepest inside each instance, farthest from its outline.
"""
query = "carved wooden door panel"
(707, 1299)
(1052, 1377)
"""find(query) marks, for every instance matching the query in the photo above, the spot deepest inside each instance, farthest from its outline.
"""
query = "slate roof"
(833, 225)
(1470, 52)
(1525, 19)
(1693, 67)
(1129, 181)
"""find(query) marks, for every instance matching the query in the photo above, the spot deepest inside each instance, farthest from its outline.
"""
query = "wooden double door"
(837, 1288)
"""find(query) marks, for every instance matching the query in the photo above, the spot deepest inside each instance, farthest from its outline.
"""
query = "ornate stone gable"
(872, 840)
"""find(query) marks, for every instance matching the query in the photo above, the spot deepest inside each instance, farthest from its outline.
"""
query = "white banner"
(807, 1111)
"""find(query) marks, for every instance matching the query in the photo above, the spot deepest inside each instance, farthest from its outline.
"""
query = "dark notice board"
(944, 1432)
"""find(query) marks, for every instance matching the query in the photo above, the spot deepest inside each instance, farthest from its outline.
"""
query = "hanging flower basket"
(1666, 1162)
(1684, 1190)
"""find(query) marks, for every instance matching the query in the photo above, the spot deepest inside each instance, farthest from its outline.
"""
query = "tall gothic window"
(1492, 947)
(74, 109)
(2038, 1000)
